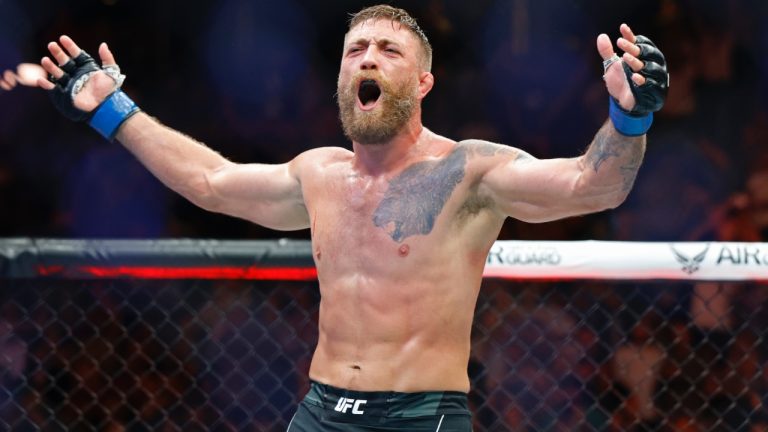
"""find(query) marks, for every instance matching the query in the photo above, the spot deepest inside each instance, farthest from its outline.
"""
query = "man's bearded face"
(373, 110)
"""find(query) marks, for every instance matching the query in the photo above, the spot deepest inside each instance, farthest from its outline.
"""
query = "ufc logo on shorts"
(344, 404)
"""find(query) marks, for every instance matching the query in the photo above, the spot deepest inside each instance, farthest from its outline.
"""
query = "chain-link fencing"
(233, 355)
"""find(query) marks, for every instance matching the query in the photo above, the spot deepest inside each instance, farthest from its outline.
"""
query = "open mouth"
(368, 93)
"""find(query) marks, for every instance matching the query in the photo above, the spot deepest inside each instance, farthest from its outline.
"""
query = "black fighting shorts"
(330, 409)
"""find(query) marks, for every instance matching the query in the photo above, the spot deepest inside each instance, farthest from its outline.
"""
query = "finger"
(107, 59)
(4, 83)
(51, 68)
(628, 46)
(70, 46)
(28, 73)
(633, 62)
(650, 53)
(45, 84)
(61, 57)
(655, 71)
(605, 47)
(638, 79)
(627, 33)
(10, 78)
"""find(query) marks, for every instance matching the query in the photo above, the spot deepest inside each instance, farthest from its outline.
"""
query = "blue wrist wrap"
(626, 123)
(108, 117)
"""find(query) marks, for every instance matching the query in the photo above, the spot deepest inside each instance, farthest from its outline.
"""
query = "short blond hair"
(394, 14)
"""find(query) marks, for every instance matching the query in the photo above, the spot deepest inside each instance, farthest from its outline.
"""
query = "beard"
(380, 125)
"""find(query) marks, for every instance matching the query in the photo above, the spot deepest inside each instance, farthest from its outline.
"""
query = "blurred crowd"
(255, 80)
(124, 356)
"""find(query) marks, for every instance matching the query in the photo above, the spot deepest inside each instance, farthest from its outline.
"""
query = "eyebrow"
(381, 41)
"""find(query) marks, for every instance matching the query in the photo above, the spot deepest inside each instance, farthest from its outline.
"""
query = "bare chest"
(376, 218)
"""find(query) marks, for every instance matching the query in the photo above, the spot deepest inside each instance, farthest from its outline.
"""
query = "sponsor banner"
(627, 260)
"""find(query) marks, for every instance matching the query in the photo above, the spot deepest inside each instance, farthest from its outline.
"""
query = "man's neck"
(377, 159)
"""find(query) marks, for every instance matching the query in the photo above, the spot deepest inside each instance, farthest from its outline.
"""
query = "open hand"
(615, 77)
(99, 85)
(641, 81)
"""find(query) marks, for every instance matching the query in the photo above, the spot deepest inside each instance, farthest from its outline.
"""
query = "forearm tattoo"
(627, 152)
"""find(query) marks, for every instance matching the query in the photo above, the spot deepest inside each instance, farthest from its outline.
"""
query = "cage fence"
(209, 354)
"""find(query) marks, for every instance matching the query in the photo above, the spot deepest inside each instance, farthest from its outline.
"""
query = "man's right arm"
(269, 195)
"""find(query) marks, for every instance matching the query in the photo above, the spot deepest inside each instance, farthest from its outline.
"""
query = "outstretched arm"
(269, 195)
(542, 190)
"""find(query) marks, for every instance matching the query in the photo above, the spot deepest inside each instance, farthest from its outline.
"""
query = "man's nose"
(370, 59)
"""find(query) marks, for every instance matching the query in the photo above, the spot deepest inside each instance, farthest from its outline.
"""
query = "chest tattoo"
(416, 197)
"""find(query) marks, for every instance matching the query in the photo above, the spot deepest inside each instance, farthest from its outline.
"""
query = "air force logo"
(690, 264)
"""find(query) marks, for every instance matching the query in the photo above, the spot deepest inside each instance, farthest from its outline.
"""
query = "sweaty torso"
(399, 257)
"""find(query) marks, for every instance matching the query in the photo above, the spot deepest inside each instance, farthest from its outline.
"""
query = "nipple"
(404, 250)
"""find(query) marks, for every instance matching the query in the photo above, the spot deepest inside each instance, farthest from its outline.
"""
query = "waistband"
(387, 404)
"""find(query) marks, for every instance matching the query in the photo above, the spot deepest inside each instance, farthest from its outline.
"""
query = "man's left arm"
(637, 85)
(541, 190)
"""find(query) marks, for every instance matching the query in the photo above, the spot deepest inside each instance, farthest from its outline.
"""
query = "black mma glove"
(649, 97)
(63, 94)
(110, 114)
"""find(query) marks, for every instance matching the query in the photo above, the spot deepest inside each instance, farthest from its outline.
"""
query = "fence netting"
(167, 355)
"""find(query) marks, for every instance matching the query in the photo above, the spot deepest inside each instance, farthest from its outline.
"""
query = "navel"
(404, 250)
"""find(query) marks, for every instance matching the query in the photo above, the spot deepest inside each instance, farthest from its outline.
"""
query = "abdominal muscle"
(396, 304)
(395, 336)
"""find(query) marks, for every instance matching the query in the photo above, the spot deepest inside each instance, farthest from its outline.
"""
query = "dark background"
(255, 80)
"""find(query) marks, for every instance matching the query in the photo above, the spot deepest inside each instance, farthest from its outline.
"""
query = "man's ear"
(426, 81)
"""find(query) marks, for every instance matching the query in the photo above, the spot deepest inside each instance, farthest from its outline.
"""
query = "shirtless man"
(401, 225)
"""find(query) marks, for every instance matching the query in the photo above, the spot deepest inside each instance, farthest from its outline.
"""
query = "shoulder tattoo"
(416, 197)
(480, 148)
